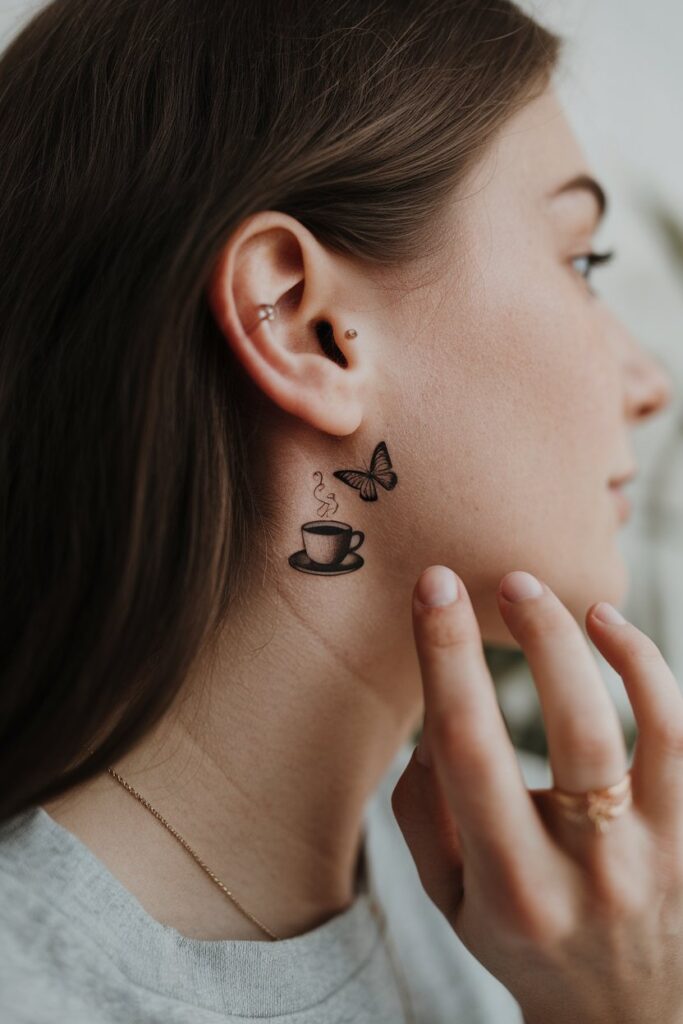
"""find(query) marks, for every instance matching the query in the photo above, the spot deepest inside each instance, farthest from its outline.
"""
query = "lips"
(622, 502)
(624, 478)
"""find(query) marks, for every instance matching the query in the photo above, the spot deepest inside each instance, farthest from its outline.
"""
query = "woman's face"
(515, 386)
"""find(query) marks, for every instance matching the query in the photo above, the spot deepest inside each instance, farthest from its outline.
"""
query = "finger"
(469, 744)
(586, 745)
(657, 703)
(431, 834)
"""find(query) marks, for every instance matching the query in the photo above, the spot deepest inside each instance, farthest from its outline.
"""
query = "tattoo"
(364, 480)
(330, 546)
(325, 506)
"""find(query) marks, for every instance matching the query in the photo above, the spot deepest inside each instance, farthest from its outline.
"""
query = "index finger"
(474, 758)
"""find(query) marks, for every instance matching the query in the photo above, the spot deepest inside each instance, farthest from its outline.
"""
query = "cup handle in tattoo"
(361, 538)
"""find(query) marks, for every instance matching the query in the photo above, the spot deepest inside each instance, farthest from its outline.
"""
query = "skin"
(578, 924)
(505, 391)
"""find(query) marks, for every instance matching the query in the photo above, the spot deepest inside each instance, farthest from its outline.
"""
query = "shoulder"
(43, 951)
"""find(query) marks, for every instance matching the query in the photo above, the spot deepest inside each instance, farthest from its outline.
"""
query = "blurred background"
(622, 85)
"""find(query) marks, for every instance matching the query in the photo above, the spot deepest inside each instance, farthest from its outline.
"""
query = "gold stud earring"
(351, 333)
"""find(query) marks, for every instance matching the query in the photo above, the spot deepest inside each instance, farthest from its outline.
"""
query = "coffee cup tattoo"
(330, 546)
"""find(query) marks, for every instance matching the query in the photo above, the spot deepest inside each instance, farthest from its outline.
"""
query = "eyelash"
(595, 259)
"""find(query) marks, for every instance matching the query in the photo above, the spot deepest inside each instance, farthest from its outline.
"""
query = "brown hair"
(135, 135)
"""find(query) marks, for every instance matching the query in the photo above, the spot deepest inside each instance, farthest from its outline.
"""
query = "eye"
(584, 264)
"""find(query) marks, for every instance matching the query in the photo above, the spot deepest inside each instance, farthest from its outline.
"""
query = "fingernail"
(608, 613)
(422, 751)
(519, 586)
(437, 586)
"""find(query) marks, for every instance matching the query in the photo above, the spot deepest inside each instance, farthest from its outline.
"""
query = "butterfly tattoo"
(364, 480)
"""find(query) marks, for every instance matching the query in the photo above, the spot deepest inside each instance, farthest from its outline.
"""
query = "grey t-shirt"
(76, 947)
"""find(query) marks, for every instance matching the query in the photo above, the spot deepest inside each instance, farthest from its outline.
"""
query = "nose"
(648, 386)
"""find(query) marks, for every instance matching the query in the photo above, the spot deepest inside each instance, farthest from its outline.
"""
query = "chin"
(606, 581)
(609, 582)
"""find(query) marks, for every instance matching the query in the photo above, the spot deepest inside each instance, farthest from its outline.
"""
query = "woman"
(293, 292)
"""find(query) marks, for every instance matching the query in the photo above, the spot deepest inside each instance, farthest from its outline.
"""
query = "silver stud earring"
(265, 312)
(351, 333)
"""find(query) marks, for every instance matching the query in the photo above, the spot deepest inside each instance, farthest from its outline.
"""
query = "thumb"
(431, 833)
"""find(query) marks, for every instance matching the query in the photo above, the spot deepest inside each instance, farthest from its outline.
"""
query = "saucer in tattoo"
(300, 560)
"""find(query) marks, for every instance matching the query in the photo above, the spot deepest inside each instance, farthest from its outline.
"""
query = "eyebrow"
(584, 183)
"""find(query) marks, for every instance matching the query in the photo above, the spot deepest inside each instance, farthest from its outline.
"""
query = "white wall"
(12, 15)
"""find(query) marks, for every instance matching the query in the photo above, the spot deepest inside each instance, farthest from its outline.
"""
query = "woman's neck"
(265, 767)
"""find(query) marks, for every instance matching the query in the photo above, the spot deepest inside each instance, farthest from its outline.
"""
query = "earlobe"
(269, 295)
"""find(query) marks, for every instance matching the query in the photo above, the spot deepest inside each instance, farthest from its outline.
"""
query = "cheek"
(516, 424)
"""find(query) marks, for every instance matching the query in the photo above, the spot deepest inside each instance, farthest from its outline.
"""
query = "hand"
(580, 926)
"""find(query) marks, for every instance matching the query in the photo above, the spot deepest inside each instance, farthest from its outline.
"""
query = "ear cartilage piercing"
(351, 333)
(265, 312)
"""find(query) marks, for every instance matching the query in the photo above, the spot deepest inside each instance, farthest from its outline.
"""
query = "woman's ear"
(307, 359)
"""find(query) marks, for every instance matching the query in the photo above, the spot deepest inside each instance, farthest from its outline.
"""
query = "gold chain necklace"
(374, 904)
